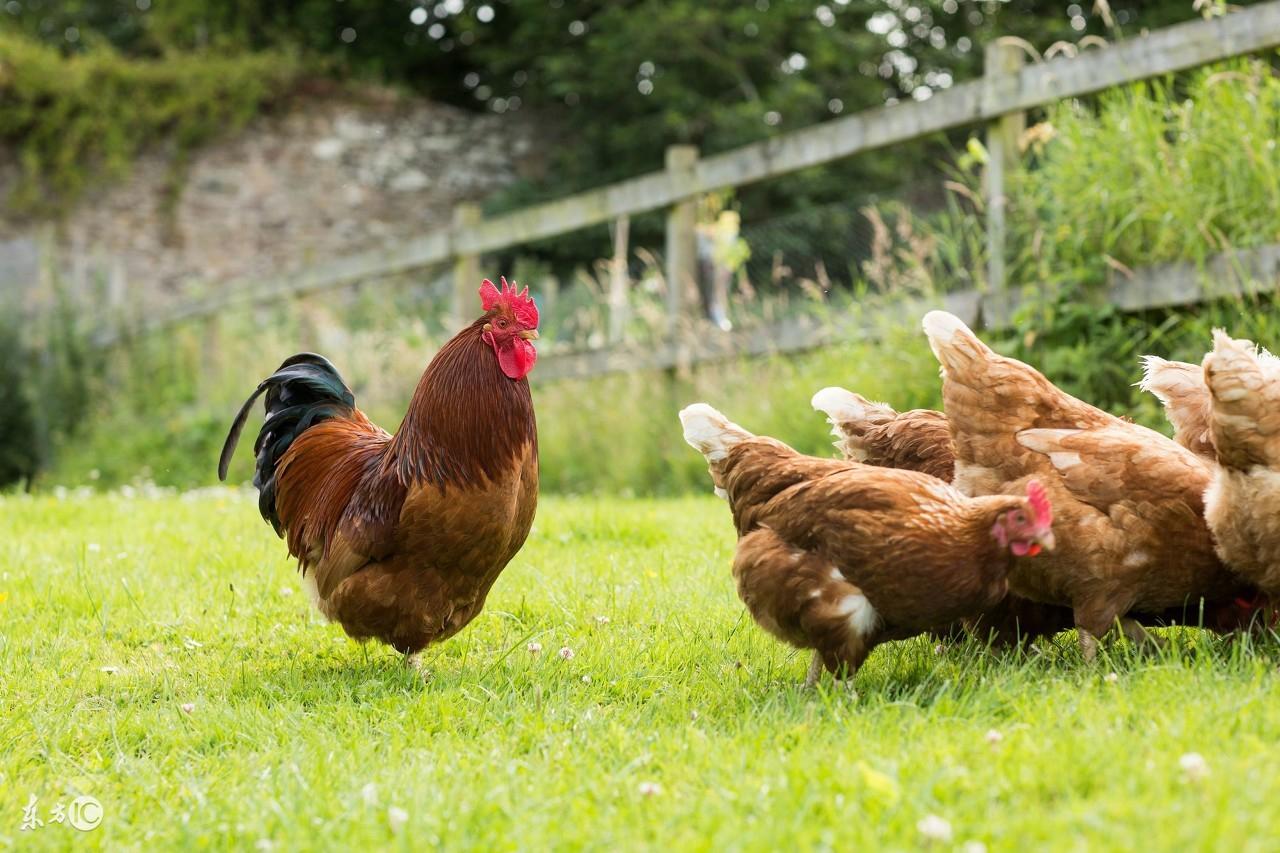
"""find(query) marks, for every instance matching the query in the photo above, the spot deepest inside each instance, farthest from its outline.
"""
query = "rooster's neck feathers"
(466, 420)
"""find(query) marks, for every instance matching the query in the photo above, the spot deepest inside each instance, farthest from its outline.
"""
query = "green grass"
(300, 736)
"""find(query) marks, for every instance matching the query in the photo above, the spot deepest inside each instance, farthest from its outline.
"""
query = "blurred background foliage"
(1175, 170)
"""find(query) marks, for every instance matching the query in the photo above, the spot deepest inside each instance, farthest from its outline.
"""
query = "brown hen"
(838, 556)
(1129, 501)
(1243, 504)
(920, 440)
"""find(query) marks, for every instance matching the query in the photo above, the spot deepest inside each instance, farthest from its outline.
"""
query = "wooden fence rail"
(1236, 274)
(997, 99)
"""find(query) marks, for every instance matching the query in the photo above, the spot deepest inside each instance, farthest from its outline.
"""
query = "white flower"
(369, 793)
(1111, 678)
(566, 653)
(94, 547)
(973, 847)
(602, 620)
(191, 644)
(1194, 767)
(396, 817)
(534, 648)
(994, 736)
(938, 649)
(286, 590)
(650, 789)
(110, 670)
(188, 707)
(586, 679)
(935, 828)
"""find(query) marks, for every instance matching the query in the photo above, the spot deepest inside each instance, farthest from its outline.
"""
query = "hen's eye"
(1020, 518)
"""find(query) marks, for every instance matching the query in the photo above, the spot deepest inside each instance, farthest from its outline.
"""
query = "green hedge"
(73, 120)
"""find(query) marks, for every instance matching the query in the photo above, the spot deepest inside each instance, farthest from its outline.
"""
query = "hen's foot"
(413, 662)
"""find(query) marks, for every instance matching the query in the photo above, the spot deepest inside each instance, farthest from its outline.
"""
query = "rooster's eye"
(502, 324)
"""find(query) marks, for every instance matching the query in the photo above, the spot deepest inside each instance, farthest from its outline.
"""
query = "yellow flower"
(4, 596)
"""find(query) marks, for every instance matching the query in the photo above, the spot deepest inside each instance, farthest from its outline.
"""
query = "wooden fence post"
(466, 270)
(618, 280)
(1002, 60)
(682, 238)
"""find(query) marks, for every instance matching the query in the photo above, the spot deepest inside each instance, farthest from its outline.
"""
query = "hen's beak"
(1047, 541)
(528, 334)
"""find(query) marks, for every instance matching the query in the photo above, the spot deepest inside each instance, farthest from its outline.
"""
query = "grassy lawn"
(158, 653)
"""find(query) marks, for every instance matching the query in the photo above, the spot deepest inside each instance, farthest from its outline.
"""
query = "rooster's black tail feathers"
(304, 391)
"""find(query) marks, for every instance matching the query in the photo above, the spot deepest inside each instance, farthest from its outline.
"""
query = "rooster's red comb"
(1039, 500)
(521, 303)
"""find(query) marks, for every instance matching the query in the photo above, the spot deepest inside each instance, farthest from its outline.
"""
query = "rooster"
(1129, 501)
(401, 537)
(838, 556)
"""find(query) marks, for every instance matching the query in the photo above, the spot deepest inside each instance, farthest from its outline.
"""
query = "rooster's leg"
(815, 671)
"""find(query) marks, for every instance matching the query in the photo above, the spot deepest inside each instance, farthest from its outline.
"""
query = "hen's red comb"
(521, 303)
(1039, 500)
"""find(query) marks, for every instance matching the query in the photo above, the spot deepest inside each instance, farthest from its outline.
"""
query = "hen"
(838, 556)
(1129, 501)
(1243, 503)
(920, 440)
(401, 537)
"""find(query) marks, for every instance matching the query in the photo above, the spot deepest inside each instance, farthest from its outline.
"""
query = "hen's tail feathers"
(952, 342)
(709, 432)
(850, 415)
(1245, 387)
(1181, 388)
(304, 391)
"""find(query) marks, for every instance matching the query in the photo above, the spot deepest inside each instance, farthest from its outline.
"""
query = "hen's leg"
(1133, 629)
(1088, 645)
(815, 671)
(1093, 620)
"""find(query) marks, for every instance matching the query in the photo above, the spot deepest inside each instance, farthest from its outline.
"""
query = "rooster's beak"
(528, 334)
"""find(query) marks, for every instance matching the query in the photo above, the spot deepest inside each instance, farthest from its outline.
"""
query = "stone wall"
(329, 176)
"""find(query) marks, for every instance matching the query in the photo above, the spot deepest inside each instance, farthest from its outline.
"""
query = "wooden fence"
(997, 100)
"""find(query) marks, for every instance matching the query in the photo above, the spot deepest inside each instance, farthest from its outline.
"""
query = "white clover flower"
(1194, 767)
(935, 828)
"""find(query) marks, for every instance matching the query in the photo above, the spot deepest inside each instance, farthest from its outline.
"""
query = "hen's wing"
(336, 503)
(1182, 390)
(873, 433)
(1148, 534)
